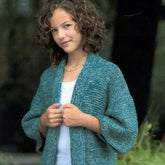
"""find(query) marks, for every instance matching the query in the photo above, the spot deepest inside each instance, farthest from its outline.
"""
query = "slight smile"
(65, 43)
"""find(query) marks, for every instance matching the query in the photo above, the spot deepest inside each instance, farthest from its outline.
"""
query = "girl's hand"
(51, 118)
(72, 116)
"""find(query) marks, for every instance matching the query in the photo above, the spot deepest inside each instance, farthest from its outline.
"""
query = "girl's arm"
(73, 117)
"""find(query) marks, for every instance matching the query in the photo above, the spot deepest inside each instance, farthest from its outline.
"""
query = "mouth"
(65, 43)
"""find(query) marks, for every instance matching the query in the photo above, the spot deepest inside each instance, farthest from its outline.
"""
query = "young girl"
(82, 112)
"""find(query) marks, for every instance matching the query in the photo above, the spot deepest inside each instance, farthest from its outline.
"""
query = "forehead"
(59, 16)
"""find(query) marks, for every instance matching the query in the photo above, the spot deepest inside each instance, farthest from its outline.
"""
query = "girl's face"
(65, 32)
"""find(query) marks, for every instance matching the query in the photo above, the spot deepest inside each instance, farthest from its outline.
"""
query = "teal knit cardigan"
(100, 91)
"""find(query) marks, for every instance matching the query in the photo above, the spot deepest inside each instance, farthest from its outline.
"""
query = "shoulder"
(107, 67)
(49, 72)
(105, 72)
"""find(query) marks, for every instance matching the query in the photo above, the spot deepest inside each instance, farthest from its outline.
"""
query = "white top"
(63, 156)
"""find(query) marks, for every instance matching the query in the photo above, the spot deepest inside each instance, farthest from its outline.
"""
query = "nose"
(61, 34)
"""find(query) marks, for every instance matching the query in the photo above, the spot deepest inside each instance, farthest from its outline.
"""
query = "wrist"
(42, 127)
(91, 122)
(41, 122)
(83, 119)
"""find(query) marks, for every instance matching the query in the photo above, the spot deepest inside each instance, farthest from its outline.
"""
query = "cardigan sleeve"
(30, 122)
(119, 123)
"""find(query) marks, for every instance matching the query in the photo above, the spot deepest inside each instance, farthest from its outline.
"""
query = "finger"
(57, 111)
(53, 118)
(51, 114)
(65, 110)
(67, 124)
(67, 105)
(55, 124)
(71, 106)
(58, 116)
(58, 120)
(54, 106)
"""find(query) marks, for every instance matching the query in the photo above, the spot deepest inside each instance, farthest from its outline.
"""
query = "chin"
(68, 51)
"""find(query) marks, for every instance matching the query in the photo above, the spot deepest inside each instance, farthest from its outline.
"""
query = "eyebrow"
(61, 24)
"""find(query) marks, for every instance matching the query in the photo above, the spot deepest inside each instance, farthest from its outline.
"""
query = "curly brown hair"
(89, 21)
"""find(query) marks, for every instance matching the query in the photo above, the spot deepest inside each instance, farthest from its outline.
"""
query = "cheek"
(79, 38)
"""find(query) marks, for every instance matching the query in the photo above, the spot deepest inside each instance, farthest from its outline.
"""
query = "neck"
(76, 59)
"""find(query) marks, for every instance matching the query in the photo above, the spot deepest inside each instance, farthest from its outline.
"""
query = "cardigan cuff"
(101, 136)
(40, 140)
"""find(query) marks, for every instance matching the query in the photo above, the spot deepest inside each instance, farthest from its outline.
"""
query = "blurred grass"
(20, 159)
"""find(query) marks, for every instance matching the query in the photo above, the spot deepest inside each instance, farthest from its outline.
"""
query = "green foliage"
(158, 78)
(19, 159)
(3, 159)
(145, 151)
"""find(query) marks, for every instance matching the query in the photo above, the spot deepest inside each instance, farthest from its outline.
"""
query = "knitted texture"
(100, 91)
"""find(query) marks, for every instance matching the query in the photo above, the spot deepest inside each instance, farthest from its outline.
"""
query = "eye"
(53, 30)
(67, 25)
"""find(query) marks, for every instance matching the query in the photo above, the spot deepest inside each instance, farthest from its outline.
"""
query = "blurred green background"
(22, 61)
